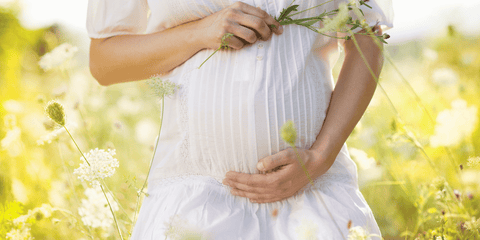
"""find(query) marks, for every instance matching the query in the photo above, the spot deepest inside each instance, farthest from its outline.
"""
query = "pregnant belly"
(232, 124)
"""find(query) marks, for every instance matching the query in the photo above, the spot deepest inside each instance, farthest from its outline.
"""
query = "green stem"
(86, 160)
(114, 217)
(209, 57)
(311, 182)
(151, 161)
(308, 9)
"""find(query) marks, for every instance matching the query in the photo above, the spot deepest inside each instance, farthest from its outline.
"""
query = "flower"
(307, 230)
(98, 165)
(473, 225)
(162, 88)
(444, 76)
(57, 56)
(180, 229)
(454, 124)
(338, 22)
(56, 112)
(474, 162)
(95, 211)
(289, 133)
(19, 234)
(357, 233)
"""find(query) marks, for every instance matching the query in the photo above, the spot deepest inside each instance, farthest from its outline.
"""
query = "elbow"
(98, 74)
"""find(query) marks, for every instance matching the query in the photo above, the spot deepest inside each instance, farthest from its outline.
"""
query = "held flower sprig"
(341, 22)
(223, 44)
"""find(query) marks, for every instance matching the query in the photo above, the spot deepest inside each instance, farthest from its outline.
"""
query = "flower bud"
(56, 112)
(289, 133)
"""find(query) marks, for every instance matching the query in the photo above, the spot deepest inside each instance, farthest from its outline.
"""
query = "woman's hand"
(284, 177)
(246, 22)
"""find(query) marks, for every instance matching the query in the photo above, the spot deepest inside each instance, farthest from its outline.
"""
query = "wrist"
(196, 36)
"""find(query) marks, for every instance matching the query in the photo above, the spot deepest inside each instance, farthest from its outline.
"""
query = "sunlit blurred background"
(417, 147)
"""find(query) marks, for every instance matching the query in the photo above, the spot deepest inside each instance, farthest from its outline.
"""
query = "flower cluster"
(55, 134)
(307, 230)
(358, 233)
(337, 22)
(95, 211)
(98, 165)
(454, 125)
(19, 234)
(57, 56)
(162, 88)
(474, 162)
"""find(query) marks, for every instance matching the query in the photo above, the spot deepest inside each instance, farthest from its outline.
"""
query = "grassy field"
(417, 147)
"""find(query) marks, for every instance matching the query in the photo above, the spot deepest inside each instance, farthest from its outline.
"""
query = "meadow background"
(417, 147)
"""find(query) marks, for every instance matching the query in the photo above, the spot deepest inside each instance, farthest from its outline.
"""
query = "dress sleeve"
(381, 13)
(106, 18)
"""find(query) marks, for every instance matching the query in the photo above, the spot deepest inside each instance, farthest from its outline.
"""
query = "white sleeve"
(106, 18)
(381, 13)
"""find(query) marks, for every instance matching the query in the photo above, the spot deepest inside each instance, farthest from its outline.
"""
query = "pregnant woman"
(221, 165)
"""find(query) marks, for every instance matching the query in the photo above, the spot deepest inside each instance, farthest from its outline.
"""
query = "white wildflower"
(444, 76)
(13, 106)
(430, 54)
(368, 169)
(358, 233)
(55, 134)
(338, 22)
(12, 136)
(161, 87)
(454, 124)
(180, 229)
(102, 165)
(57, 56)
(307, 230)
(95, 211)
(19, 234)
(473, 162)
(473, 224)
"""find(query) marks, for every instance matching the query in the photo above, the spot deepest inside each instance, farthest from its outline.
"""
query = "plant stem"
(86, 160)
(308, 9)
(114, 217)
(209, 57)
(151, 161)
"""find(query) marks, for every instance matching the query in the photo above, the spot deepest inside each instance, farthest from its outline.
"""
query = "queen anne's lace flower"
(454, 124)
(161, 87)
(338, 22)
(19, 234)
(357, 233)
(57, 56)
(95, 211)
(102, 165)
(307, 230)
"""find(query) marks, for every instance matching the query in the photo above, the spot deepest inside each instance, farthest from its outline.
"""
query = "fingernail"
(281, 29)
(260, 166)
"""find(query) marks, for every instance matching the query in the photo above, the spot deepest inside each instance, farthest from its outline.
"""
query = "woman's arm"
(350, 98)
(126, 58)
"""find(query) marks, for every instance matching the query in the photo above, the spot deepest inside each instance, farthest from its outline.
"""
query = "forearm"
(350, 98)
(126, 58)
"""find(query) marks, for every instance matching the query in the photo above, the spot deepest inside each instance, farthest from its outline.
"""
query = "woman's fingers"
(262, 15)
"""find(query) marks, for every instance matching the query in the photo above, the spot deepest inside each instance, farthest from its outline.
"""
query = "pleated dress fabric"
(227, 115)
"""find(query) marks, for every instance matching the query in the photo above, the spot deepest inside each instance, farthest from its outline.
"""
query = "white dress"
(227, 115)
